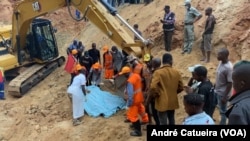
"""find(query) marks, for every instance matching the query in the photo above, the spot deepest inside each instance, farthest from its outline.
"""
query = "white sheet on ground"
(102, 103)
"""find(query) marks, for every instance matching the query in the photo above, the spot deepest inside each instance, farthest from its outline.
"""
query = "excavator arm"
(98, 12)
(106, 18)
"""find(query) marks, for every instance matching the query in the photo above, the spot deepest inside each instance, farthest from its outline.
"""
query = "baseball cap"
(74, 51)
(125, 70)
(146, 57)
(191, 69)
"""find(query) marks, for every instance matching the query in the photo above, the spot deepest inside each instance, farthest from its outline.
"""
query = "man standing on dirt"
(146, 76)
(150, 103)
(95, 54)
(78, 92)
(168, 27)
(95, 74)
(203, 88)
(223, 84)
(1, 84)
(136, 28)
(108, 63)
(117, 59)
(207, 35)
(192, 16)
(165, 85)
(135, 100)
(87, 62)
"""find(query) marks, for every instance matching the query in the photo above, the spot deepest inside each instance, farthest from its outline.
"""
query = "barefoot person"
(206, 46)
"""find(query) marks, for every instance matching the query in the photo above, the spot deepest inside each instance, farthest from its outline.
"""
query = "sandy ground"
(44, 113)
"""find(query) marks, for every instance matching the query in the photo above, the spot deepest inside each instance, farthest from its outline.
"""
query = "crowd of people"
(150, 97)
(153, 84)
(192, 15)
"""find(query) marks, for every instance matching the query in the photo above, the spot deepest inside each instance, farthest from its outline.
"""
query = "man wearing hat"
(146, 71)
(146, 79)
(76, 92)
(135, 65)
(95, 74)
(168, 27)
(135, 100)
(192, 15)
(71, 47)
(108, 63)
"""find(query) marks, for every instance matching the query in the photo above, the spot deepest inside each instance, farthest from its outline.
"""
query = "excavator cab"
(41, 41)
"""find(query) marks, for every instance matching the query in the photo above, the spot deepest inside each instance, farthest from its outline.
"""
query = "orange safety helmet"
(105, 48)
(96, 65)
(125, 69)
(74, 51)
(79, 67)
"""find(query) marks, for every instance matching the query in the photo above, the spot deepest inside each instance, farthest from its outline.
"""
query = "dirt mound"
(44, 113)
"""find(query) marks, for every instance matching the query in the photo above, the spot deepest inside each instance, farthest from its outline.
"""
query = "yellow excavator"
(28, 48)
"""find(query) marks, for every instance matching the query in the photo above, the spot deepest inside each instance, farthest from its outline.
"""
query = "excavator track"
(32, 76)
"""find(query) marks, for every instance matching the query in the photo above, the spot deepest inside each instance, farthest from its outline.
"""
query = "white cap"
(191, 69)
(187, 2)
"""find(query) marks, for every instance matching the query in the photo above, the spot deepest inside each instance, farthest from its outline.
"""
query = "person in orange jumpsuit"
(108, 63)
(137, 67)
(135, 100)
(135, 64)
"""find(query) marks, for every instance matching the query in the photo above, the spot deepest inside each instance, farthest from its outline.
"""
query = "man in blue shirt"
(193, 104)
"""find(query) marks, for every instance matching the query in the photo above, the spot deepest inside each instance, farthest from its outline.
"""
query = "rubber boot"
(137, 129)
